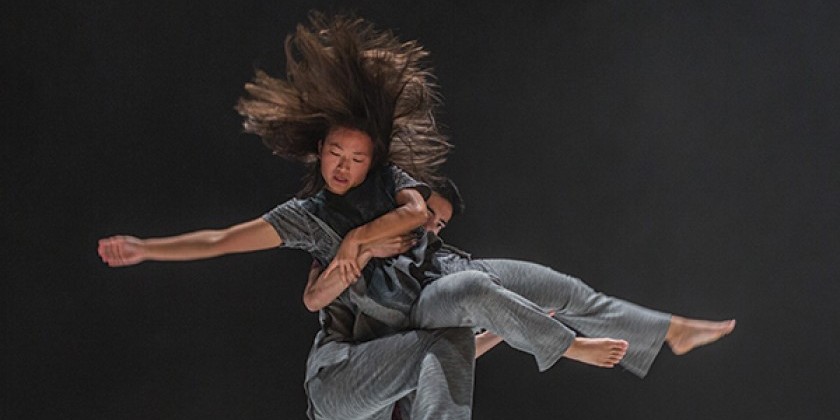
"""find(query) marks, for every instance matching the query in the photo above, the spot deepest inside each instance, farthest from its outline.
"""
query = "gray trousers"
(434, 366)
(513, 298)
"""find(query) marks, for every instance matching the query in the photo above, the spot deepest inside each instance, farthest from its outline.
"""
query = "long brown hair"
(341, 71)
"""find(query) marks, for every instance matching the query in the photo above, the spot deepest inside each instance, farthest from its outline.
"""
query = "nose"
(343, 163)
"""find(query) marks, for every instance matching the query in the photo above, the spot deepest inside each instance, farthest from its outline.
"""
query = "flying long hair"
(341, 71)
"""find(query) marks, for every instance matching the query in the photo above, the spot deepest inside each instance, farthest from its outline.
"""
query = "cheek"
(360, 172)
(328, 163)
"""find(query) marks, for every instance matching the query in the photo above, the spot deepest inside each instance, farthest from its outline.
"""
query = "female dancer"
(345, 104)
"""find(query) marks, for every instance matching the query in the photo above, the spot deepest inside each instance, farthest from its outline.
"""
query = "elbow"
(417, 213)
(216, 242)
(311, 302)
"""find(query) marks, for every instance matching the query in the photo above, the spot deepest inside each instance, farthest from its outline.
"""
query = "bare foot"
(685, 334)
(601, 352)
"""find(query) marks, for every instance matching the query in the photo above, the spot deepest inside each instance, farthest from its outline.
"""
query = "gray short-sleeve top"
(316, 224)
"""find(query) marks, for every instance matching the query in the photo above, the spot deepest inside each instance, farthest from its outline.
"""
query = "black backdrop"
(682, 155)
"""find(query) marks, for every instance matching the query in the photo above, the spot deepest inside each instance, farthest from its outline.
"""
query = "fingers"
(343, 270)
(119, 250)
(351, 272)
(345, 274)
(357, 272)
(108, 251)
(350, 278)
(332, 266)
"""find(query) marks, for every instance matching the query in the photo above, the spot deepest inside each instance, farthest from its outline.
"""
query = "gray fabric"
(299, 228)
(477, 299)
(435, 367)
(581, 308)
(403, 181)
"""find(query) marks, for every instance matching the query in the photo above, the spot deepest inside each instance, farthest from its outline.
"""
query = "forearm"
(189, 246)
(324, 287)
(253, 235)
(410, 214)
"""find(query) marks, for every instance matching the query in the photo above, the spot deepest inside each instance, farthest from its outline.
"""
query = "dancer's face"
(346, 156)
(440, 212)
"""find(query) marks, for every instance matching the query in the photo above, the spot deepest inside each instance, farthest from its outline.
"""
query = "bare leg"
(601, 352)
(685, 334)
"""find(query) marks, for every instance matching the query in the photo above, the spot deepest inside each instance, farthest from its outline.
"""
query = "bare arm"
(323, 287)
(410, 214)
(254, 235)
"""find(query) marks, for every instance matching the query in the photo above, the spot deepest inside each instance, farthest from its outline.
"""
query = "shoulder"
(298, 205)
(402, 180)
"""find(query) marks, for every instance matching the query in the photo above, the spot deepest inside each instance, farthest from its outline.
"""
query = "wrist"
(354, 237)
(364, 256)
(143, 250)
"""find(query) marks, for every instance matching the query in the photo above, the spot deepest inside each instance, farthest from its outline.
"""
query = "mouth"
(340, 180)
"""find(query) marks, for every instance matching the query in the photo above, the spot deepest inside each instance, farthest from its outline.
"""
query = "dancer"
(585, 309)
(357, 188)
(488, 302)
(436, 365)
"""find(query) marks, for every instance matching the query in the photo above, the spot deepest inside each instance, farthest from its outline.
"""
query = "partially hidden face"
(440, 212)
(346, 155)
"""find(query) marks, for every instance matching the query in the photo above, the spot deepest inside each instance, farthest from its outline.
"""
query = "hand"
(119, 251)
(391, 246)
(345, 261)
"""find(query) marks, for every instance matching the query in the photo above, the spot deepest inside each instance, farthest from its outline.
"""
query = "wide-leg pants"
(435, 366)
(513, 300)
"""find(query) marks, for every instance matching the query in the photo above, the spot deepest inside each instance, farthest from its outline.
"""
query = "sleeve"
(293, 224)
(403, 180)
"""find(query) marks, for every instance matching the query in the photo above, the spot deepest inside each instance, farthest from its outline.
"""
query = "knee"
(473, 284)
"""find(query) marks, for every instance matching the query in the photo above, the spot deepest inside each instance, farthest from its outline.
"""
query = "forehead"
(349, 139)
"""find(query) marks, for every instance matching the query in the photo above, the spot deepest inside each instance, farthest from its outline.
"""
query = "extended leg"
(475, 299)
(595, 314)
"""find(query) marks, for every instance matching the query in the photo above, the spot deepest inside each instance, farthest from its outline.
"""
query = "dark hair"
(448, 190)
(340, 71)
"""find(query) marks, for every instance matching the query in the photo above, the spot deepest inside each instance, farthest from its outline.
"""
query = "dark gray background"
(682, 155)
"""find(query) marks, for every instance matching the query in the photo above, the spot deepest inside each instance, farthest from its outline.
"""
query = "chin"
(337, 190)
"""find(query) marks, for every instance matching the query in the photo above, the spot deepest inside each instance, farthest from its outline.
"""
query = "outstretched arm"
(254, 235)
(410, 213)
